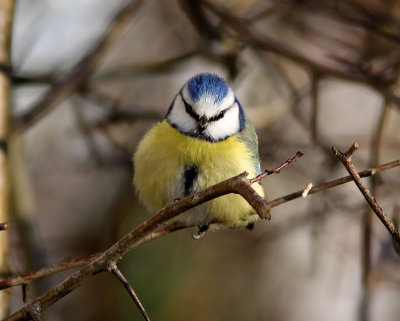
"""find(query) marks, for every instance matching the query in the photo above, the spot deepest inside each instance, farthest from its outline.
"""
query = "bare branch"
(330, 184)
(175, 226)
(27, 278)
(345, 158)
(155, 227)
(118, 274)
(238, 184)
(39, 274)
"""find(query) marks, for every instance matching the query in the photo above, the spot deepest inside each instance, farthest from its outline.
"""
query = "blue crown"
(210, 84)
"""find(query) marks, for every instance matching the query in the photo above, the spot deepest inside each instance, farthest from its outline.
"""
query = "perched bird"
(204, 139)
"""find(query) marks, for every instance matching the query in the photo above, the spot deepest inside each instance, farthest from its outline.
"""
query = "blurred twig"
(6, 22)
(315, 106)
(24, 212)
(157, 67)
(368, 15)
(246, 31)
(217, 42)
(87, 134)
(116, 111)
(78, 76)
(120, 72)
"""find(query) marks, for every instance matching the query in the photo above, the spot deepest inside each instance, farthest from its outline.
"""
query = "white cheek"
(180, 118)
(226, 126)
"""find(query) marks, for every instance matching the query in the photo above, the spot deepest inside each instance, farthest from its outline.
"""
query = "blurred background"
(90, 77)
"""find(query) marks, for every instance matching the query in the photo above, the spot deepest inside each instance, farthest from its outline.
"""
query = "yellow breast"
(164, 153)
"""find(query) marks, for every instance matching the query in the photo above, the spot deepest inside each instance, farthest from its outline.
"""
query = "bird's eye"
(218, 116)
(190, 110)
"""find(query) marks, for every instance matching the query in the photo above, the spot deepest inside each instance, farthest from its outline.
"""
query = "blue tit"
(204, 139)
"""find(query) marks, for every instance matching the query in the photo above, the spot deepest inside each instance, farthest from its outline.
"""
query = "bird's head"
(206, 108)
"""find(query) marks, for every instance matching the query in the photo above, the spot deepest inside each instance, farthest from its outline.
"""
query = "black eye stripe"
(193, 114)
(219, 116)
(189, 109)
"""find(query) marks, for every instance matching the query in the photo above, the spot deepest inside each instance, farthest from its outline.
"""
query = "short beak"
(203, 122)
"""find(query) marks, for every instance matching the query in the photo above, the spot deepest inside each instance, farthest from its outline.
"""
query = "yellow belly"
(160, 161)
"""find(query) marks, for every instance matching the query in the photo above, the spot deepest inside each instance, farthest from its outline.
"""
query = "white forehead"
(207, 104)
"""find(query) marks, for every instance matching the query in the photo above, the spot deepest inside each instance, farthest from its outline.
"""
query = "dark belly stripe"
(190, 174)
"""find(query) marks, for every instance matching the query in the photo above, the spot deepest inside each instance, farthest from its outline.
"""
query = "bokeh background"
(310, 74)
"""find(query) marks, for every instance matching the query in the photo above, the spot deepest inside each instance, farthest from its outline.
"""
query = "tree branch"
(29, 277)
(118, 274)
(345, 158)
(333, 183)
(146, 231)
(39, 274)
(156, 227)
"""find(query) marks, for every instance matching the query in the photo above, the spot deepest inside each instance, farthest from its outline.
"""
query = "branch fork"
(345, 158)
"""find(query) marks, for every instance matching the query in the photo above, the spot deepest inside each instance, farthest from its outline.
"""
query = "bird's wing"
(249, 137)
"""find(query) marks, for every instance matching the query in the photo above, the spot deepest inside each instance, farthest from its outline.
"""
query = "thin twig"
(27, 278)
(39, 274)
(277, 169)
(121, 278)
(345, 158)
(333, 183)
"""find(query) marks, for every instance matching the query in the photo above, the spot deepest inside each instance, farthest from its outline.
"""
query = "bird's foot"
(201, 231)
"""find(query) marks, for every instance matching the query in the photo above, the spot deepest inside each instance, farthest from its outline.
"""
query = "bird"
(205, 138)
